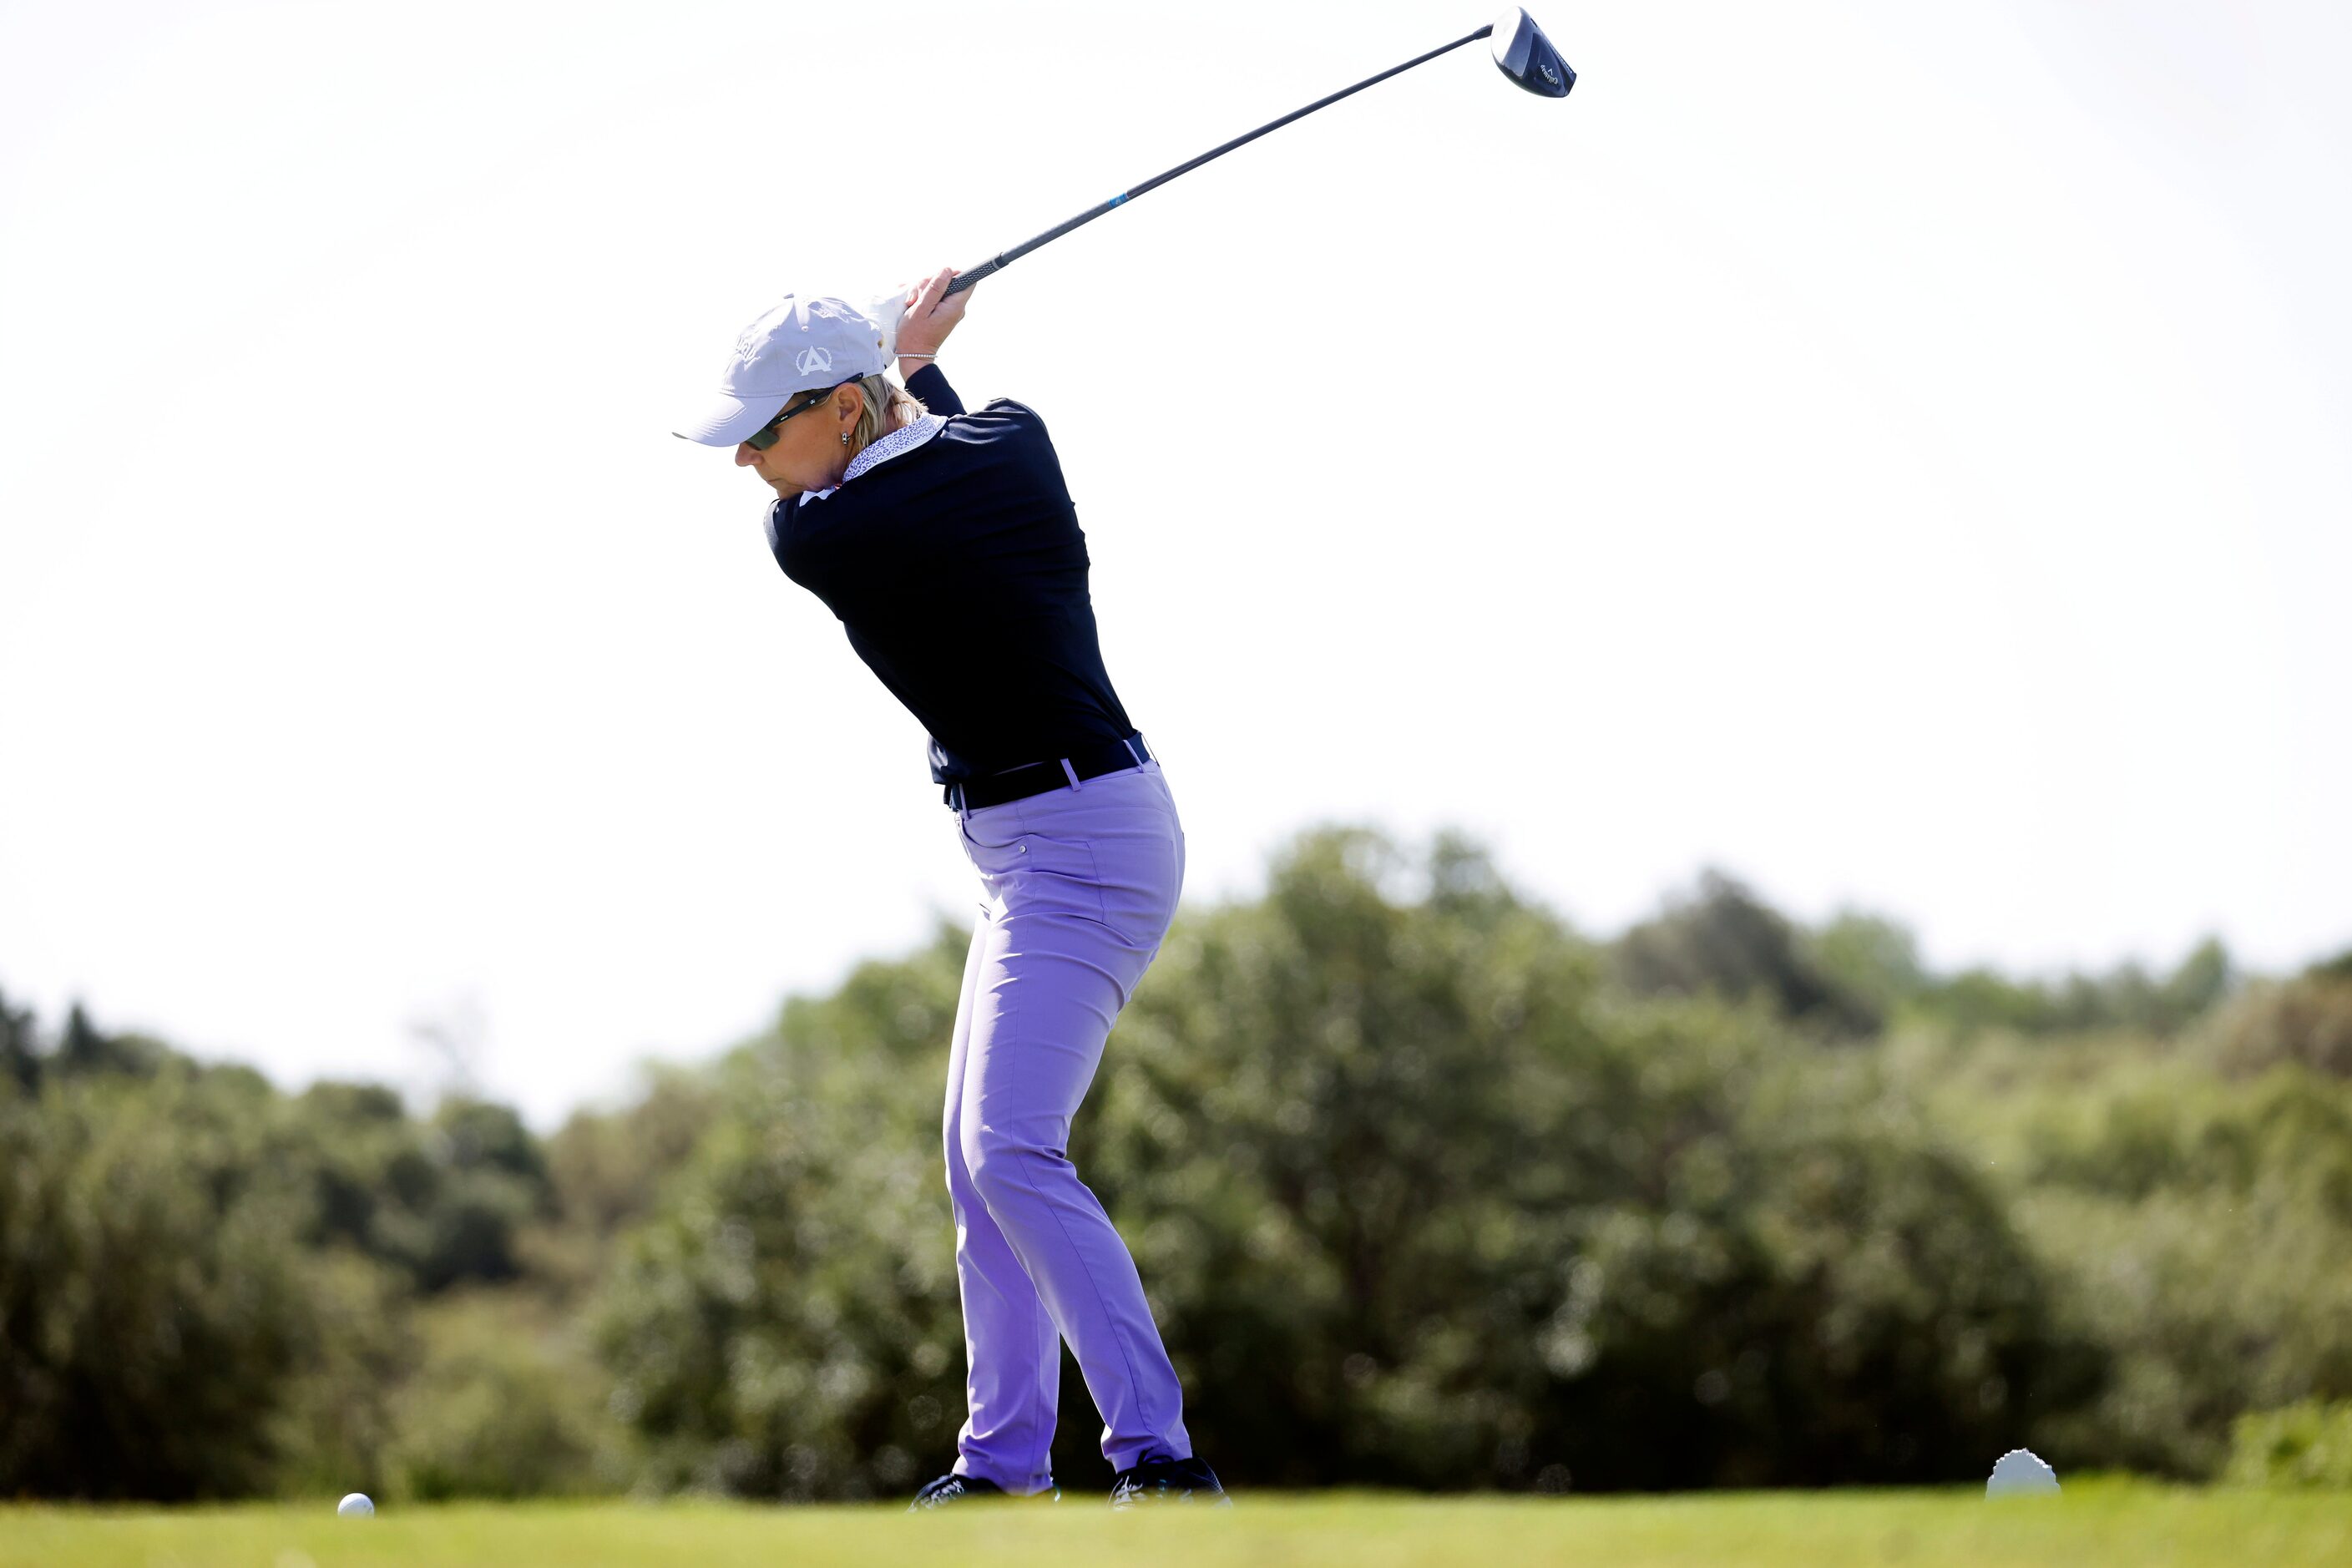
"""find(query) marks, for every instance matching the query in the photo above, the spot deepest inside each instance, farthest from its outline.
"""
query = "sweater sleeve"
(930, 384)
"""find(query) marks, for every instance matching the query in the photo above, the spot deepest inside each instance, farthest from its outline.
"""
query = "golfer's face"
(808, 452)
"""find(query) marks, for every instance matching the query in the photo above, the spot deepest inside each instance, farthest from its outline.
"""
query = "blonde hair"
(888, 406)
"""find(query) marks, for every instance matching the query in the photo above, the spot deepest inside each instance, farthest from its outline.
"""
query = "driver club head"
(1527, 57)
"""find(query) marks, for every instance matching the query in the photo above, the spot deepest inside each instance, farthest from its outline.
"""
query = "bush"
(335, 1420)
(498, 1408)
(2199, 1229)
(2304, 1446)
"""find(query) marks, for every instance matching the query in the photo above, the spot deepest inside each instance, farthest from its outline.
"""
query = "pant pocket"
(1137, 877)
(1112, 854)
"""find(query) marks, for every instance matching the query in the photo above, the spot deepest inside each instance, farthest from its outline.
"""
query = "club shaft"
(1003, 259)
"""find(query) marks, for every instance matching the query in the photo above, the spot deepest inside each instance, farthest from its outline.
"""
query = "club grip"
(964, 280)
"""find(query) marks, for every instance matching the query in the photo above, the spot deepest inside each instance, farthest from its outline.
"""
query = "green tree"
(2127, 997)
(606, 1171)
(491, 1182)
(151, 1301)
(1418, 1199)
(2307, 1021)
(1723, 941)
(786, 1324)
(20, 1049)
(1870, 959)
(445, 1201)
(1422, 1204)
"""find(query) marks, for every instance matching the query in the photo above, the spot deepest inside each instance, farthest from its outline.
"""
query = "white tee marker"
(2021, 1473)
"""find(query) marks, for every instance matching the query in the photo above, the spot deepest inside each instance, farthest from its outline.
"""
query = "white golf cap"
(800, 346)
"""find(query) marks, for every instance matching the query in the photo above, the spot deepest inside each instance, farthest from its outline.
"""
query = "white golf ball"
(2021, 1473)
(355, 1506)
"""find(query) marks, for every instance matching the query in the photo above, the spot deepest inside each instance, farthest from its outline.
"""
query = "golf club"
(1521, 53)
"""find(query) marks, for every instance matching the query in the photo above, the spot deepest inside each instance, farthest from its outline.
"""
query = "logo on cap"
(814, 358)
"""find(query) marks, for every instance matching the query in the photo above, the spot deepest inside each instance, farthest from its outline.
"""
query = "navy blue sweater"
(960, 572)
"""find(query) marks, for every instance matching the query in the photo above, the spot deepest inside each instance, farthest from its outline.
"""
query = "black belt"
(1036, 778)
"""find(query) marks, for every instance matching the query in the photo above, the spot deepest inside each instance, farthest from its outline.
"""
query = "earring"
(845, 438)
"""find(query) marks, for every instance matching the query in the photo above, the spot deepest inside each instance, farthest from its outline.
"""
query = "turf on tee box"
(2093, 1523)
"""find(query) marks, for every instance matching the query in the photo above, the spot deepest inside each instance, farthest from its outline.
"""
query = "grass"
(2094, 1525)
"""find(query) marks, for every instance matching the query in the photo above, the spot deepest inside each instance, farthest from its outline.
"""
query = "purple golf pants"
(1079, 887)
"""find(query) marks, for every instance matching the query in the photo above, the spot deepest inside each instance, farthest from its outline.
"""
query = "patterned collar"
(904, 439)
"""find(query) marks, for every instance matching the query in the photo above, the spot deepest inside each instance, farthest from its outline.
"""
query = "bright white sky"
(1896, 453)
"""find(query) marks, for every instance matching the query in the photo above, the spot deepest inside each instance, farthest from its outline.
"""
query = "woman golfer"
(946, 542)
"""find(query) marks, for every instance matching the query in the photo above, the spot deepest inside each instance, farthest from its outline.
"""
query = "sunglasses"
(760, 440)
